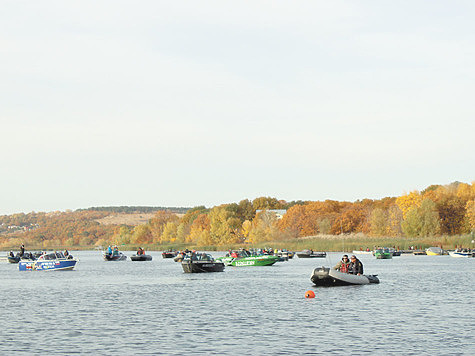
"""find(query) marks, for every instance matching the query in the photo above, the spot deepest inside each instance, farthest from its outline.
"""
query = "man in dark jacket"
(355, 266)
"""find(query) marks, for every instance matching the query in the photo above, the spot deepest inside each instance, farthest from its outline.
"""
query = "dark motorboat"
(311, 254)
(201, 263)
(27, 256)
(329, 277)
(114, 257)
(169, 253)
(14, 259)
(141, 258)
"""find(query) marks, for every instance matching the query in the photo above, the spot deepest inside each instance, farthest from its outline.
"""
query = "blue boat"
(54, 261)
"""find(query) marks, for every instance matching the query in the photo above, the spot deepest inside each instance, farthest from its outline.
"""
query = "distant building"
(279, 213)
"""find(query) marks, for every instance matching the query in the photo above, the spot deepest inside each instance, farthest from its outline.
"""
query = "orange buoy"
(309, 294)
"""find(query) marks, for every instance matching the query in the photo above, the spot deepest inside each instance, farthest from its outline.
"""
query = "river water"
(423, 305)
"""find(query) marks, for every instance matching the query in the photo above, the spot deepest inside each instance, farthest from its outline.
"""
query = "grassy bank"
(316, 243)
(357, 242)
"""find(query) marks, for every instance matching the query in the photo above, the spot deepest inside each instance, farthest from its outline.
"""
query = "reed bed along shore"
(316, 243)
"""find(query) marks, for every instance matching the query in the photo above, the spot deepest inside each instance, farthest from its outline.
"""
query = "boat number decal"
(245, 263)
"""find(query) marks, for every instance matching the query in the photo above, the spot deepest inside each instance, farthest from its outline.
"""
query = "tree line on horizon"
(437, 210)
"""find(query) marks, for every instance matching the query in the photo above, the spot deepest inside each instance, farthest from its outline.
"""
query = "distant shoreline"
(329, 243)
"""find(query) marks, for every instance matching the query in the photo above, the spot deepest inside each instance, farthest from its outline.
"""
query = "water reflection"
(422, 306)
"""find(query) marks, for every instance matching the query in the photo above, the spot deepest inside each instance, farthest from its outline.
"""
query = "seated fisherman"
(355, 266)
(342, 266)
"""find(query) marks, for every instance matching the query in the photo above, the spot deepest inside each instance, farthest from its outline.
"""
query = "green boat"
(242, 258)
(383, 254)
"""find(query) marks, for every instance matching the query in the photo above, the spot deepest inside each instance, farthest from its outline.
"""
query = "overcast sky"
(185, 103)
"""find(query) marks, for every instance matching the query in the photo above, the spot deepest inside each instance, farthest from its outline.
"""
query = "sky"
(186, 103)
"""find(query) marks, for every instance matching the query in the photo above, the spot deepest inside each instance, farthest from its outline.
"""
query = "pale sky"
(185, 103)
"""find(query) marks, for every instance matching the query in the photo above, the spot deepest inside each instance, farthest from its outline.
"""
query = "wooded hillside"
(437, 210)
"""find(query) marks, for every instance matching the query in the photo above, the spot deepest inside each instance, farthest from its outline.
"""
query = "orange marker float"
(309, 294)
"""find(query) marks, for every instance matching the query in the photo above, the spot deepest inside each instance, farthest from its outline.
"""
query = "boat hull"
(169, 254)
(141, 258)
(383, 256)
(461, 254)
(15, 259)
(312, 255)
(120, 257)
(202, 266)
(61, 265)
(266, 260)
(326, 277)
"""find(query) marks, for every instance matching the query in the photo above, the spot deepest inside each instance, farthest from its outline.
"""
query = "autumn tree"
(422, 220)
(408, 201)
(141, 234)
(200, 231)
(379, 222)
(158, 222)
(395, 218)
(224, 225)
(262, 203)
(351, 220)
(246, 210)
(451, 211)
(169, 233)
(264, 227)
(470, 214)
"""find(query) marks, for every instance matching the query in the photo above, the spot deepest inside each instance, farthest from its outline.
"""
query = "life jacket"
(344, 267)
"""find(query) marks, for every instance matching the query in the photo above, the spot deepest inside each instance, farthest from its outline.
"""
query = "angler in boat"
(114, 254)
(141, 256)
(353, 275)
(342, 266)
(355, 266)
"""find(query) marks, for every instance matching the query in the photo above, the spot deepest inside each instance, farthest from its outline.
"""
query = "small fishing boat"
(394, 252)
(201, 263)
(27, 256)
(54, 261)
(383, 254)
(14, 259)
(419, 253)
(329, 277)
(362, 252)
(169, 254)
(141, 258)
(462, 253)
(434, 251)
(311, 254)
(242, 258)
(115, 256)
(284, 254)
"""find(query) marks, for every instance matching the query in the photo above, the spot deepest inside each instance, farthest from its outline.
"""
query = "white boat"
(54, 261)
(463, 253)
(356, 252)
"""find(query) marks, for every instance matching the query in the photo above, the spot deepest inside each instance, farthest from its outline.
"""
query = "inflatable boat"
(328, 277)
(141, 258)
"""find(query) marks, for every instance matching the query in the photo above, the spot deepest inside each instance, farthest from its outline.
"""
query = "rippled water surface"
(424, 305)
